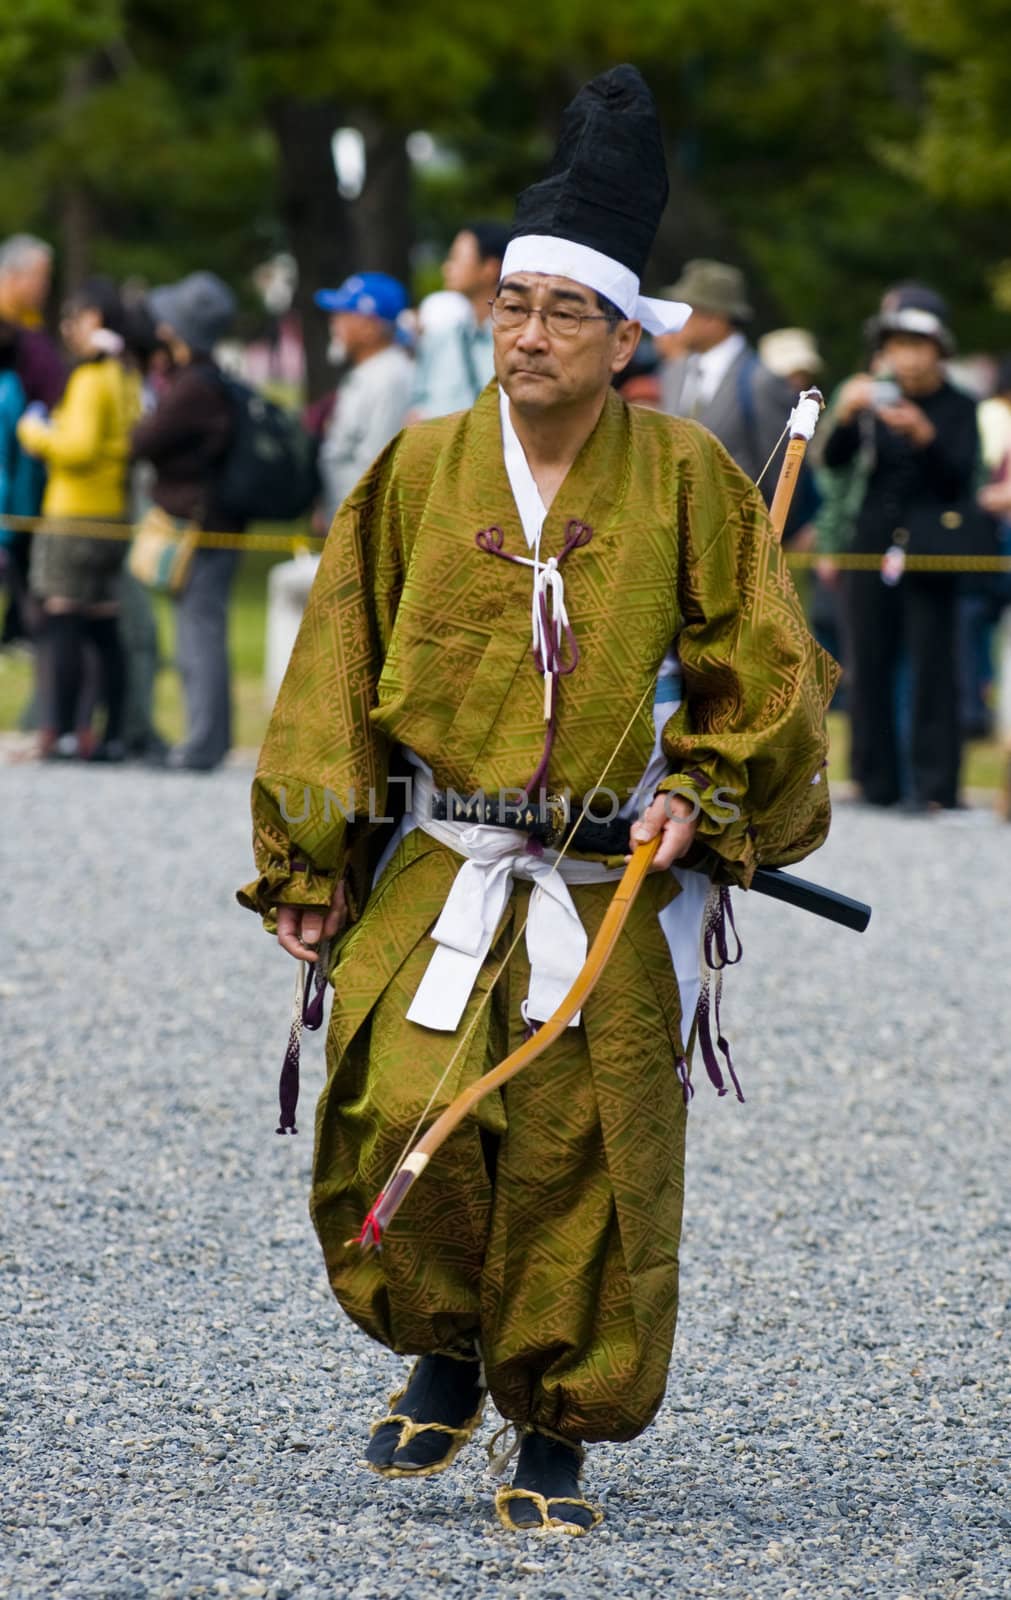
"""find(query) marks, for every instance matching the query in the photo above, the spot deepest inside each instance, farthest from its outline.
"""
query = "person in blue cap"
(374, 395)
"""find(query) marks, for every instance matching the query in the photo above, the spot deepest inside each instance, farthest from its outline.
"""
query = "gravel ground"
(182, 1405)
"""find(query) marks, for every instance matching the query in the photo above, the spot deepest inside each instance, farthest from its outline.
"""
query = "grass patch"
(246, 639)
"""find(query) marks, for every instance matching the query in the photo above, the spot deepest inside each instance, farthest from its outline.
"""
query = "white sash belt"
(555, 937)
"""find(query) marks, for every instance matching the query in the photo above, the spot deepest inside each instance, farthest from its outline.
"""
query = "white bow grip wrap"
(805, 414)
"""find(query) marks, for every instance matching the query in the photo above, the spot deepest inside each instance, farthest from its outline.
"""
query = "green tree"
(829, 155)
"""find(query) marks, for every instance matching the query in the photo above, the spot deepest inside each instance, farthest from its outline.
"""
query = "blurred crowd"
(126, 415)
(130, 424)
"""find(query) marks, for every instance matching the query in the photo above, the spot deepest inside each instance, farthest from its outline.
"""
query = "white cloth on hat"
(542, 252)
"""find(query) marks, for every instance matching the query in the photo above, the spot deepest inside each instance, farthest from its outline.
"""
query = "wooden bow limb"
(803, 420)
(415, 1162)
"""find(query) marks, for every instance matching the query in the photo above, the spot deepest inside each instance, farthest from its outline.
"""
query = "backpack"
(269, 471)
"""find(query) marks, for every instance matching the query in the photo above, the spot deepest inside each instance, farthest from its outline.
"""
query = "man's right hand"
(856, 394)
(299, 928)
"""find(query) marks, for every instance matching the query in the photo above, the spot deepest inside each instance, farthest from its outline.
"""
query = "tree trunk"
(383, 221)
(77, 231)
(317, 220)
(78, 217)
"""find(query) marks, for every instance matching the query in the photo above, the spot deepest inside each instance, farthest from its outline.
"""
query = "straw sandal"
(544, 1495)
(441, 1409)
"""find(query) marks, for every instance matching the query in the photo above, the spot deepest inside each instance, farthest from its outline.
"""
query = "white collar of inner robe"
(713, 366)
(529, 504)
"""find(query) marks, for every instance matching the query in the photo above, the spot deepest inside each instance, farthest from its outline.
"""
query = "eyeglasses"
(509, 315)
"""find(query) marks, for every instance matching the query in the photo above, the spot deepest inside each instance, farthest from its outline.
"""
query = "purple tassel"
(687, 1089)
(723, 1044)
(287, 1089)
(716, 941)
(705, 1038)
(716, 955)
(309, 1014)
(315, 991)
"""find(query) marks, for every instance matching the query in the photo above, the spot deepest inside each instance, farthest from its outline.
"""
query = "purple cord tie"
(308, 1014)
(716, 956)
(315, 993)
(687, 1088)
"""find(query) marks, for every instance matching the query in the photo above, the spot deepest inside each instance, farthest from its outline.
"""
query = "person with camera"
(909, 438)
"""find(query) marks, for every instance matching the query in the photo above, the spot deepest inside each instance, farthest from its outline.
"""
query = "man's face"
(912, 358)
(77, 326)
(703, 331)
(26, 288)
(180, 354)
(542, 370)
(355, 333)
(464, 271)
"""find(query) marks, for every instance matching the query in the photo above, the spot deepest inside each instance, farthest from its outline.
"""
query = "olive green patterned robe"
(548, 1225)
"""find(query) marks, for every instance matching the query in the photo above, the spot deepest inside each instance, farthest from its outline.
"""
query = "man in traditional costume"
(536, 1260)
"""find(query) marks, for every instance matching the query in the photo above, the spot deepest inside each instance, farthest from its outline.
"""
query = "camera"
(885, 392)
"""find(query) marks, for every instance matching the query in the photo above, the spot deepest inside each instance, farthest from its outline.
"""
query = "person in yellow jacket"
(74, 577)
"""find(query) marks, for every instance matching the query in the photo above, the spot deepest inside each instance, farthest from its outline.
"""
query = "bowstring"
(471, 1027)
(468, 1033)
(772, 456)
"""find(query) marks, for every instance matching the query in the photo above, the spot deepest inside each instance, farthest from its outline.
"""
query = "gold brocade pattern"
(565, 1264)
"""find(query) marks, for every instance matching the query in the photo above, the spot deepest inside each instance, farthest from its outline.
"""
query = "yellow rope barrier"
(96, 528)
(851, 562)
(303, 540)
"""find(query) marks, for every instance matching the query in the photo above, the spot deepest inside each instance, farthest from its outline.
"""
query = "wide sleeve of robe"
(323, 768)
(749, 738)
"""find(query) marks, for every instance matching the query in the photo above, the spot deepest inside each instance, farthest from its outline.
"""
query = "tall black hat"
(595, 215)
(607, 185)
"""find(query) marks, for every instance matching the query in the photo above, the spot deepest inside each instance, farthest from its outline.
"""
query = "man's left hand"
(996, 498)
(676, 820)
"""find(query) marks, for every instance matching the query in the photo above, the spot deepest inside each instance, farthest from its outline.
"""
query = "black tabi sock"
(441, 1389)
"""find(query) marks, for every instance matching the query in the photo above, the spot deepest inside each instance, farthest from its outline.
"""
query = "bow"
(414, 1163)
(419, 1152)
